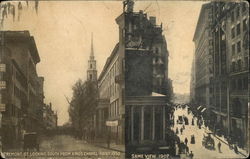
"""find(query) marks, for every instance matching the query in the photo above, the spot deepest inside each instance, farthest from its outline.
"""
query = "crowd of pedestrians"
(183, 120)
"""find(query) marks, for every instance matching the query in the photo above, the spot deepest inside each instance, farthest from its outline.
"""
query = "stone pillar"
(142, 123)
(163, 122)
(132, 123)
(153, 124)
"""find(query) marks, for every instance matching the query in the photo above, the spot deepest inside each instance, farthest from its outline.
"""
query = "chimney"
(152, 20)
(50, 106)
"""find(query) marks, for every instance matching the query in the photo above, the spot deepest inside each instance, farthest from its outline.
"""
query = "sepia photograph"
(124, 79)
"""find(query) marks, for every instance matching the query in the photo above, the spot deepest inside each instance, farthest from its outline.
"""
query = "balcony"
(238, 69)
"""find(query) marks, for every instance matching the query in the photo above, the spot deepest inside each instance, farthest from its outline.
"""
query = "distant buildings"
(49, 117)
(21, 89)
(222, 67)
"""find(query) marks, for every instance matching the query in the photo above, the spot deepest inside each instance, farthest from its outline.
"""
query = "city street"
(65, 143)
(200, 151)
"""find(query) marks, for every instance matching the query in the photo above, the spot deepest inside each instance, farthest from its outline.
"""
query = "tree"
(83, 105)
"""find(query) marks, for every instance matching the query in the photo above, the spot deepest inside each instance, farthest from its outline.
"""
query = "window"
(246, 62)
(238, 29)
(239, 84)
(244, 7)
(156, 51)
(232, 16)
(239, 64)
(232, 32)
(244, 24)
(245, 83)
(90, 65)
(237, 12)
(233, 85)
(239, 47)
(210, 42)
(223, 37)
(210, 89)
(233, 66)
(233, 49)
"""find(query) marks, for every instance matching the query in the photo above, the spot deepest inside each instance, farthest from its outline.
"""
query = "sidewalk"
(113, 146)
(222, 139)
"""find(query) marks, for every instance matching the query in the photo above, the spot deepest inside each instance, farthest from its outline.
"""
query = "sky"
(62, 31)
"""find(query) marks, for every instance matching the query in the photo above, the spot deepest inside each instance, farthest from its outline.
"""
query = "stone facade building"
(21, 89)
(227, 56)
(148, 112)
(20, 86)
(111, 108)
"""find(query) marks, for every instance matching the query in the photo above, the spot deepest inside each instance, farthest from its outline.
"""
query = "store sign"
(2, 67)
(2, 107)
(112, 123)
(2, 84)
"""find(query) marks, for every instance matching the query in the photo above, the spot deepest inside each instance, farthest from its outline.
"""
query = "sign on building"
(2, 84)
(2, 67)
(112, 123)
(2, 107)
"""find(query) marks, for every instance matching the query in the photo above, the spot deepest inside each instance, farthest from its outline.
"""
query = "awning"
(198, 107)
(112, 123)
(203, 110)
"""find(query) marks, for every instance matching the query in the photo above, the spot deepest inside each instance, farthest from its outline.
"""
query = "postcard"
(124, 79)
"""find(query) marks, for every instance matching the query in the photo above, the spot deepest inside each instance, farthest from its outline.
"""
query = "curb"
(226, 143)
(110, 148)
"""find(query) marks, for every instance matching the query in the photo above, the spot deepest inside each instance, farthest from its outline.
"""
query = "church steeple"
(92, 72)
(92, 48)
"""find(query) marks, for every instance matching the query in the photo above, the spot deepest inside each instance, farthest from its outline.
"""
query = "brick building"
(21, 88)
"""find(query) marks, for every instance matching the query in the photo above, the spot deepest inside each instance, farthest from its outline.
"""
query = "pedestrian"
(219, 147)
(186, 141)
(191, 155)
(236, 149)
(187, 149)
(108, 139)
(192, 139)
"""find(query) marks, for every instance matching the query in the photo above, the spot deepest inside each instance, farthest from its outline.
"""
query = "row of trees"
(82, 106)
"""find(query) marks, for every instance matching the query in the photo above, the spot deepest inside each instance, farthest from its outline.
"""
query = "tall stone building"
(21, 89)
(148, 113)
(237, 34)
(203, 58)
(225, 92)
(111, 107)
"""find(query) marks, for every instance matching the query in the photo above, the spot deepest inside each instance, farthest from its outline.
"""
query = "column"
(132, 123)
(153, 124)
(164, 122)
(142, 123)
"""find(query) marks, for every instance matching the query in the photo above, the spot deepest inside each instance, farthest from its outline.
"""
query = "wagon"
(30, 141)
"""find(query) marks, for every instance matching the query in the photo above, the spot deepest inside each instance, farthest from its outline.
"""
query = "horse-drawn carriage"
(208, 142)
